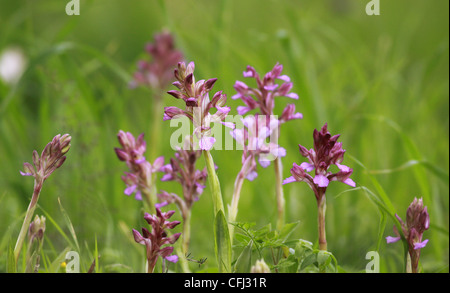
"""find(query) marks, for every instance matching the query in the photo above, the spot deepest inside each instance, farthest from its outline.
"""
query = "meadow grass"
(380, 81)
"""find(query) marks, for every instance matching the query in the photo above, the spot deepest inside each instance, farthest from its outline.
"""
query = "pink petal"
(292, 96)
(130, 189)
(420, 245)
(264, 162)
(167, 177)
(236, 96)
(350, 182)
(343, 167)
(270, 87)
(138, 195)
(242, 110)
(160, 205)
(206, 143)
(289, 180)
(285, 78)
(228, 124)
(391, 239)
(172, 258)
(252, 175)
(307, 166)
(321, 180)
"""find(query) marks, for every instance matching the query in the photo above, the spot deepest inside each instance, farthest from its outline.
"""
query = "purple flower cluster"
(52, 157)
(182, 169)
(198, 104)
(252, 137)
(263, 96)
(327, 151)
(155, 239)
(139, 179)
(157, 73)
(417, 221)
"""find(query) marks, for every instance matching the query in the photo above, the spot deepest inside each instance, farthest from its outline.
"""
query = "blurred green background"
(381, 82)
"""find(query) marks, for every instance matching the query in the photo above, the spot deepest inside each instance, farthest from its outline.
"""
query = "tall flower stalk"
(156, 74)
(252, 138)
(417, 221)
(155, 239)
(35, 240)
(182, 169)
(326, 152)
(52, 157)
(262, 98)
(198, 108)
(140, 179)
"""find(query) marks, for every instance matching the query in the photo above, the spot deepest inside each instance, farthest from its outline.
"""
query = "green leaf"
(323, 257)
(69, 224)
(222, 243)
(288, 264)
(11, 260)
(309, 260)
(244, 261)
(287, 230)
(213, 182)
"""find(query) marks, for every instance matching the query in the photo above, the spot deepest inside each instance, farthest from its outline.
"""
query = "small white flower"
(12, 65)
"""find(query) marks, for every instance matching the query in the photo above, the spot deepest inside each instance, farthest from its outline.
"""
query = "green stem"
(279, 192)
(213, 183)
(321, 222)
(186, 230)
(28, 218)
(232, 214)
(221, 232)
(149, 198)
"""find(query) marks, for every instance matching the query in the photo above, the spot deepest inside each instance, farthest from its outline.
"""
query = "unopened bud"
(260, 267)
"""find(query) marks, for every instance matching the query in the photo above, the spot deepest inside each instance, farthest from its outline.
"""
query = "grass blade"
(222, 243)
(69, 224)
(244, 261)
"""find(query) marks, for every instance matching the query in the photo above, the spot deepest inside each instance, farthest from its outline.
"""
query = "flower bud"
(260, 267)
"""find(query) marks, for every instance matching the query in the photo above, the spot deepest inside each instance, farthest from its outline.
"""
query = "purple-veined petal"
(167, 177)
(224, 110)
(270, 87)
(228, 124)
(158, 163)
(25, 174)
(321, 180)
(420, 245)
(307, 166)
(130, 189)
(240, 86)
(343, 167)
(172, 258)
(289, 180)
(206, 143)
(292, 96)
(391, 239)
(236, 96)
(350, 182)
(162, 204)
(284, 77)
(297, 115)
(140, 161)
(138, 195)
(250, 72)
(263, 162)
(252, 175)
(238, 135)
(242, 110)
